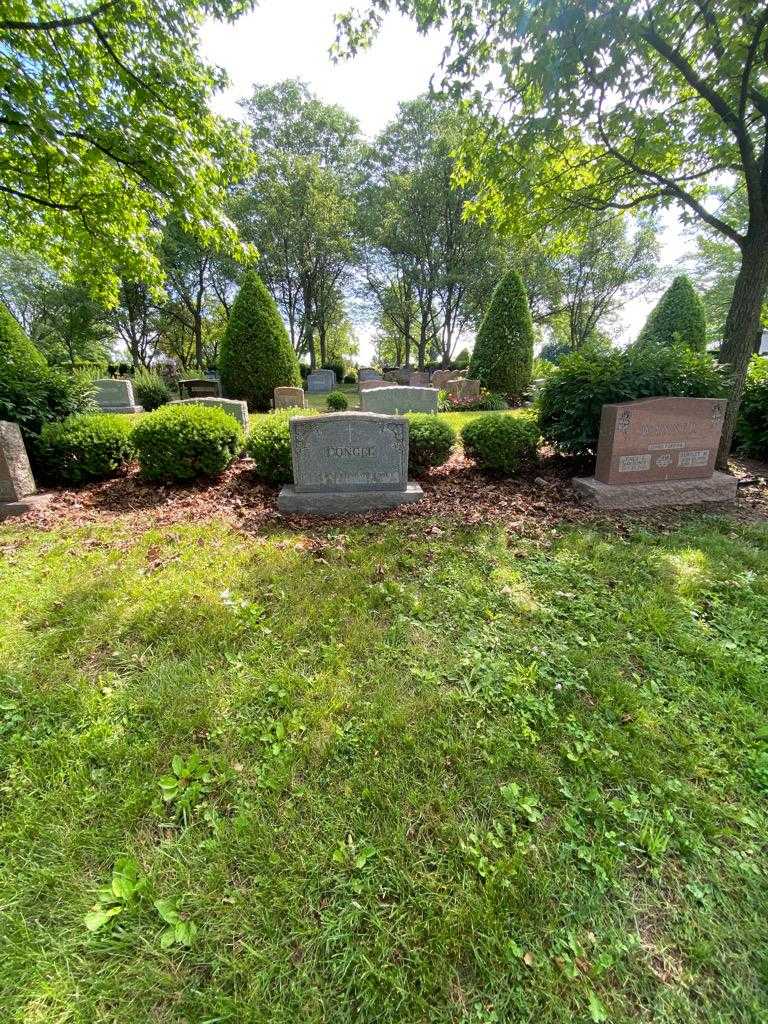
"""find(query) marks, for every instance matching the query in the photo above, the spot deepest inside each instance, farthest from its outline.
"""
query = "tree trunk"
(741, 329)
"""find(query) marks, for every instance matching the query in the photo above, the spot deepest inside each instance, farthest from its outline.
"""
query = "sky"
(291, 39)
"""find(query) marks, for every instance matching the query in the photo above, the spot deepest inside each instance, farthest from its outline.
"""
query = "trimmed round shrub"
(256, 352)
(430, 440)
(92, 446)
(503, 353)
(572, 398)
(182, 442)
(269, 445)
(752, 428)
(351, 377)
(679, 317)
(150, 390)
(337, 401)
(500, 443)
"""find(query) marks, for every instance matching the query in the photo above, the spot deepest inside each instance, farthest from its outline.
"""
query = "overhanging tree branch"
(56, 23)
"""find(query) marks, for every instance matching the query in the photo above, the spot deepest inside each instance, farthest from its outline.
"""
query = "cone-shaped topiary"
(678, 316)
(256, 353)
(17, 353)
(503, 356)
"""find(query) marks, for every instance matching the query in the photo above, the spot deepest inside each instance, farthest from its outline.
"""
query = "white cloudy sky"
(291, 38)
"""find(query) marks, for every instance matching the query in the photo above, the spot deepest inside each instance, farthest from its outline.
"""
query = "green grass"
(443, 776)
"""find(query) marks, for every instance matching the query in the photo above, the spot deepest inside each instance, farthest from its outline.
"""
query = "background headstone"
(348, 462)
(113, 395)
(320, 381)
(289, 398)
(419, 379)
(367, 373)
(369, 385)
(232, 406)
(659, 451)
(397, 399)
(463, 388)
(441, 377)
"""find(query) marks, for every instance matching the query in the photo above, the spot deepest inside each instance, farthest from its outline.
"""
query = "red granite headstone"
(658, 439)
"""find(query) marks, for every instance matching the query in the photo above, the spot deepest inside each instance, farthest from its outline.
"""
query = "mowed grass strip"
(412, 774)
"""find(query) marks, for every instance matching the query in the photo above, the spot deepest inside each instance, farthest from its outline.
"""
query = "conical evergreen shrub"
(679, 316)
(503, 356)
(17, 353)
(256, 353)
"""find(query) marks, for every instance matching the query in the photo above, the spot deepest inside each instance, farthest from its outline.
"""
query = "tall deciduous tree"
(105, 127)
(617, 104)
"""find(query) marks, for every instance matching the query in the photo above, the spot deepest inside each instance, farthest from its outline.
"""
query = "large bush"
(430, 440)
(31, 392)
(501, 443)
(678, 317)
(150, 390)
(503, 353)
(256, 352)
(752, 429)
(572, 398)
(269, 445)
(181, 442)
(85, 447)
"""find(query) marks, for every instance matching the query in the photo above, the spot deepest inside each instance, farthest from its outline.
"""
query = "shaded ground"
(456, 492)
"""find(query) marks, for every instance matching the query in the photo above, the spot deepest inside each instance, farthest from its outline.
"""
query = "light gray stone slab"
(290, 398)
(349, 451)
(398, 399)
(115, 396)
(320, 381)
(720, 487)
(232, 406)
(16, 480)
(32, 503)
(366, 373)
(345, 503)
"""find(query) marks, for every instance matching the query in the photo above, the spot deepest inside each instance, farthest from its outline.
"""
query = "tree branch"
(38, 200)
(57, 23)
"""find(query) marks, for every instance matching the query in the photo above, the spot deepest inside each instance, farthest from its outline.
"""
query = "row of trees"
(346, 231)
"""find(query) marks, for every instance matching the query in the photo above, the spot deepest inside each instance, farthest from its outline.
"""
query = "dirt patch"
(530, 505)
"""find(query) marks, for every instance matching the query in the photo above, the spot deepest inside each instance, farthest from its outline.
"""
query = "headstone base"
(33, 503)
(339, 503)
(124, 408)
(719, 487)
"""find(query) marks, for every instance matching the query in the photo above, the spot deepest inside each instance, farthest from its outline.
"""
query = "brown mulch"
(532, 505)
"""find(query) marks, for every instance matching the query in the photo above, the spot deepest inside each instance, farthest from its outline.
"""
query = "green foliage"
(337, 401)
(752, 429)
(31, 392)
(461, 362)
(125, 891)
(572, 398)
(150, 390)
(351, 377)
(430, 440)
(181, 930)
(501, 444)
(256, 354)
(111, 129)
(269, 445)
(486, 401)
(503, 353)
(678, 317)
(91, 446)
(182, 442)
(186, 787)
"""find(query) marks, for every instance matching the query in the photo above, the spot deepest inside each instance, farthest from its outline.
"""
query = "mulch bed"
(532, 505)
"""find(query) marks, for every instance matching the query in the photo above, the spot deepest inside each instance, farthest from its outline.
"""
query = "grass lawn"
(411, 775)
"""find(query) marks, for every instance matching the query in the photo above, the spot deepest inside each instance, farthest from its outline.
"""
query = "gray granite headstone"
(348, 462)
(366, 373)
(320, 381)
(398, 399)
(369, 385)
(419, 379)
(17, 485)
(232, 406)
(115, 396)
(289, 398)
